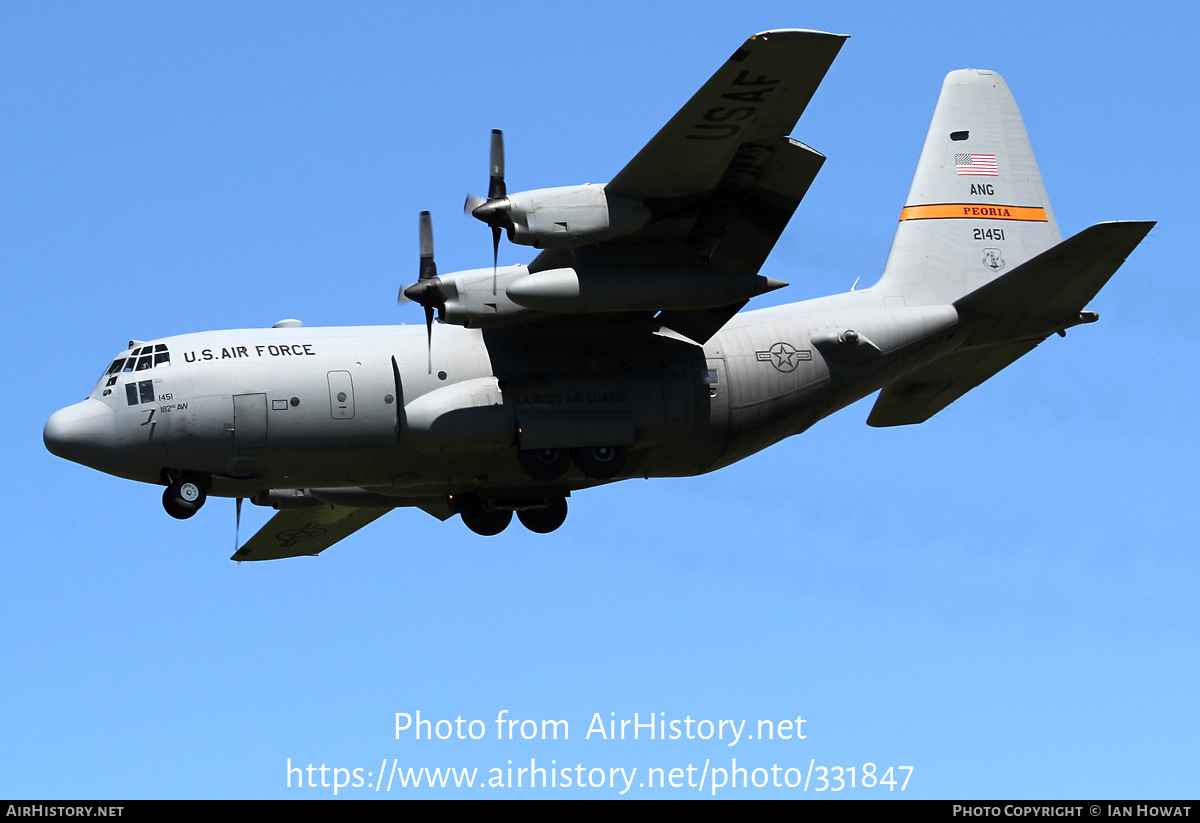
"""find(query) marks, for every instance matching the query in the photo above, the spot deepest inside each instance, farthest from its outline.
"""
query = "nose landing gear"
(184, 497)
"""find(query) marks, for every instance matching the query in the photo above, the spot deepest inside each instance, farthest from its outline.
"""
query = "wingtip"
(766, 35)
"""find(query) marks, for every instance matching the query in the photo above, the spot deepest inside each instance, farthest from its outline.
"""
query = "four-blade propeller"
(495, 210)
(425, 291)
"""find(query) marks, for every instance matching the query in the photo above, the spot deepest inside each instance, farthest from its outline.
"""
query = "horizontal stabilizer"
(306, 531)
(925, 392)
(1009, 316)
(1047, 293)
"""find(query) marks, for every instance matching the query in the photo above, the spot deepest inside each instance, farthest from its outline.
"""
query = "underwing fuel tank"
(637, 289)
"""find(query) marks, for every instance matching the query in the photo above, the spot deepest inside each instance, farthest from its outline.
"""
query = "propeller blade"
(429, 335)
(495, 255)
(428, 272)
(496, 185)
(495, 210)
(428, 267)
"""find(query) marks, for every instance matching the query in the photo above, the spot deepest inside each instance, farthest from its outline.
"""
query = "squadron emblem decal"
(291, 537)
(784, 356)
(992, 259)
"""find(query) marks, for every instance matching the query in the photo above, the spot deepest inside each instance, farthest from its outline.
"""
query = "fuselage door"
(341, 395)
(716, 387)
(249, 421)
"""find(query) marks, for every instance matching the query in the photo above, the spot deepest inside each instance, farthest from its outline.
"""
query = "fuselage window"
(146, 387)
(131, 394)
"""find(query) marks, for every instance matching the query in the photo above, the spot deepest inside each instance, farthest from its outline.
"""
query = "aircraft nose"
(81, 433)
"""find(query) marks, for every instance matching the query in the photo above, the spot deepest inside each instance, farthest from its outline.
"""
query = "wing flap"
(306, 531)
(764, 211)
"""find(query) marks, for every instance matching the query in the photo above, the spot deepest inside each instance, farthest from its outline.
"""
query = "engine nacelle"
(465, 298)
(564, 217)
(637, 289)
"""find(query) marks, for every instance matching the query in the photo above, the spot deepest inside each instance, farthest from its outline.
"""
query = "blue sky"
(1004, 598)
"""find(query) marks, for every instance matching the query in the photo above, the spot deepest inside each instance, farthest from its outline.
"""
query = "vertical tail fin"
(977, 207)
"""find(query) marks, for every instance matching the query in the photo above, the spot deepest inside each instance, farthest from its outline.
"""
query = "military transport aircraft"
(619, 352)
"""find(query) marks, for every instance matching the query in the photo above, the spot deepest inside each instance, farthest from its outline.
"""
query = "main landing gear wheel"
(546, 520)
(544, 464)
(600, 462)
(480, 520)
(183, 498)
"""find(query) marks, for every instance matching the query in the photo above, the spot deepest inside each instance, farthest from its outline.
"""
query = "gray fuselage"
(369, 407)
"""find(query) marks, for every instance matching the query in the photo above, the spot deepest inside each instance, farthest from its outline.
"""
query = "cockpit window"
(141, 359)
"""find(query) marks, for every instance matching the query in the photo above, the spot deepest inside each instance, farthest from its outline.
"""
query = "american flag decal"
(982, 164)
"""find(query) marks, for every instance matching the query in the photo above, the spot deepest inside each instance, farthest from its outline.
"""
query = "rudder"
(977, 207)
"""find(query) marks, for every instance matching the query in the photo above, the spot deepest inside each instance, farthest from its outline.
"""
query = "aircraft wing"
(754, 100)
(722, 178)
(305, 531)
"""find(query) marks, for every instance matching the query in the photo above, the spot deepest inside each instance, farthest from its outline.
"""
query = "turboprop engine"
(563, 217)
(466, 298)
(557, 218)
